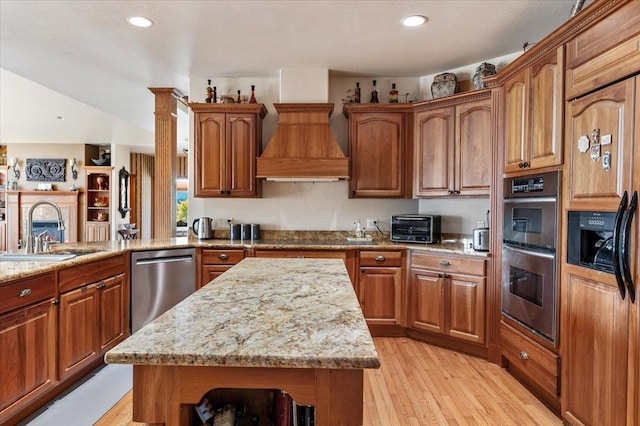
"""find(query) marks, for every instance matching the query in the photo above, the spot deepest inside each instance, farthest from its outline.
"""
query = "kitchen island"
(288, 324)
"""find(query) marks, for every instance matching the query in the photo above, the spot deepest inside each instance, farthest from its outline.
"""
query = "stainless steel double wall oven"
(529, 244)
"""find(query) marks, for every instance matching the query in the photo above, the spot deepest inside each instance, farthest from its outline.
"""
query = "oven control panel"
(534, 184)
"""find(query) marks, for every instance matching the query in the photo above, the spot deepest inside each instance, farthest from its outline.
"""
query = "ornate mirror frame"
(123, 195)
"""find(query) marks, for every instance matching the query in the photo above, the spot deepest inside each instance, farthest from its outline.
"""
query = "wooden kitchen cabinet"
(606, 52)
(595, 348)
(99, 202)
(611, 111)
(28, 332)
(227, 141)
(4, 186)
(216, 261)
(447, 296)
(380, 150)
(94, 313)
(454, 146)
(380, 287)
(534, 108)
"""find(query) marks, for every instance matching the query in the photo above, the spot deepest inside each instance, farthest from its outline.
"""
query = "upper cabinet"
(227, 140)
(533, 103)
(454, 146)
(607, 52)
(99, 202)
(380, 150)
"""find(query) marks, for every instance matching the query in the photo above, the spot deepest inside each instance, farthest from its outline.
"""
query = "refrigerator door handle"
(625, 241)
(617, 231)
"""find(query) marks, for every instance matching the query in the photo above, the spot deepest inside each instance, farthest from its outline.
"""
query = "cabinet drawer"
(380, 258)
(27, 291)
(539, 364)
(221, 257)
(77, 276)
(447, 263)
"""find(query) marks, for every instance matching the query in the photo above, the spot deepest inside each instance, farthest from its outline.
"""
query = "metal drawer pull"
(24, 292)
(101, 285)
(524, 355)
(445, 263)
(380, 259)
(223, 257)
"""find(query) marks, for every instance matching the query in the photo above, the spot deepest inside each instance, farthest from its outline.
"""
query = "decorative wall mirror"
(123, 199)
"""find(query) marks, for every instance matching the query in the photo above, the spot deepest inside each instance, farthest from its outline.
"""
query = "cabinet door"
(377, 144)
(435, 131)
(594, 358)
(78, 338)
(611, 111)
(381, 295)
(474, 143)
(3, 235)
(210, 154)
(466, 307)
(428, 310)
(547, 106)
(114, 326)
(516, 106)
(98, 232)
(27, 355)
(241, 153)
(211, 272)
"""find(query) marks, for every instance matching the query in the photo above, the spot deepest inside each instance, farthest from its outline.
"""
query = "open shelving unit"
(99, 199)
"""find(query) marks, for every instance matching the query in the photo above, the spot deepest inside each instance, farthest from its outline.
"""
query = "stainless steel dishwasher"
(159, 280)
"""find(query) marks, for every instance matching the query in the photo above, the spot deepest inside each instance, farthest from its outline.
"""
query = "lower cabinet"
(97, 232)
(91, 322)
(447, 296)
(27, 342)
(380, 287)
(215, 261)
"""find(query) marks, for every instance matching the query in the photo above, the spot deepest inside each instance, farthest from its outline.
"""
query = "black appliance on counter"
(415, 228)
(529, 290)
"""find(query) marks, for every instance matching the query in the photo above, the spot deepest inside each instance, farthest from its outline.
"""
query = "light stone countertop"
(10, 270)
(286, 313)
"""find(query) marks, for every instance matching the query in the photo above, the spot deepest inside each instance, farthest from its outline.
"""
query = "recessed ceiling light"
(140, 21)
(414, 20)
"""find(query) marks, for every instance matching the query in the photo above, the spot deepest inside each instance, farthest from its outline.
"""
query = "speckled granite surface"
(291, 240)
(289, 313)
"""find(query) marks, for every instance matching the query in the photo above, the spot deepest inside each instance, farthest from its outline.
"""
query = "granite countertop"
(10, 270)
(287, 313)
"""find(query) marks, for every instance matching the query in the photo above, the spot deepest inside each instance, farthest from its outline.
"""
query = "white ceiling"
(87, 51)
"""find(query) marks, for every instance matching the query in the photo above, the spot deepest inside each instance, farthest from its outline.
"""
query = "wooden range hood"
(303, 147)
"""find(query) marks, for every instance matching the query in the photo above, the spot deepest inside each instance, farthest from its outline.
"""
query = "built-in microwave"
(415, 228)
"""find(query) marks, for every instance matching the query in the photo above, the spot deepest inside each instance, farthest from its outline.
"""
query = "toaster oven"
(415, 228)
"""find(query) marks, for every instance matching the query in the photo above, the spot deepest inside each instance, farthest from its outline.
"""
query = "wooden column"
(166, 145)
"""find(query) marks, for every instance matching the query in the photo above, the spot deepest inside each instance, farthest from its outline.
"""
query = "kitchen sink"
(53, 256)
(37, 257)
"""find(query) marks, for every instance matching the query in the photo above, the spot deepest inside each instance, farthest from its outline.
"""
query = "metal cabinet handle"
(101, 285)
(440, 275)
(55, 302)
(24, 292)
(223, 257)
(300, 257)
(380, 258)
(445, 263)
(524, 355)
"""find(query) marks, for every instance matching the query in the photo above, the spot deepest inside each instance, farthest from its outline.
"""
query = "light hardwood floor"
(420, 384)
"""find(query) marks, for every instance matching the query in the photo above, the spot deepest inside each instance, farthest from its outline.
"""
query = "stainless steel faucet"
(30, 222)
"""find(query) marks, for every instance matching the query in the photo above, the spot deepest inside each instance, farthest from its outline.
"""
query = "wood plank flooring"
(420, 384)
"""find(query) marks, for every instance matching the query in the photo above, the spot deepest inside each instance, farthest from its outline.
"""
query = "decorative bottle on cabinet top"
(252, 100)
(393, 94)
(356, 97)
(209, 92)
(374, 94)
(215, 95)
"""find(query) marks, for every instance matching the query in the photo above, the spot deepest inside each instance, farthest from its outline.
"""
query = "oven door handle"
(527, 200)
(530, 252)
(617, 231)
(625, 241)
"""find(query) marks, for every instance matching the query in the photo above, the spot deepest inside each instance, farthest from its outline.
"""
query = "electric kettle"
(203, 228)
